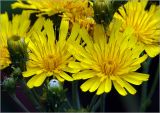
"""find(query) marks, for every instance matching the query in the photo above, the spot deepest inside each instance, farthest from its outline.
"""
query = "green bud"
(55, 86)
(102, 11)
(16, 72)
(9, 84)
(105, 9)
(18, 51)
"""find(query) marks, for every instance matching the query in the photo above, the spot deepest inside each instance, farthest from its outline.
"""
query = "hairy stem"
(14, 97)
(145, 66)
(102, 106)
(75, 95)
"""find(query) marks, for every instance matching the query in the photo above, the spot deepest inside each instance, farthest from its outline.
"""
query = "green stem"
(96, 106)
(35, 94)
(155, 82)
(93, 101)
(75, 95)
(69, 104)
(130, 103)
(145, 67)
(31, 97)
(14, 97)
(102, 107)
(144, 93)
(147, 102)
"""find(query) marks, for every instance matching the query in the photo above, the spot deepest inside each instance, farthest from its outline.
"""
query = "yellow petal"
(152, 50)
(74, 32)
(58, 77)
(86, 37)
(71, 70)
(100, 36)
(48, 27)
(86, 85)
(138, 76)
(63, 29)
(101, 88)
(98, 52)
(65, 76)
(76, 65)
(37, 25)
(19, 4)
(31, 82)
(126, 85)
(78, 49)
(119, 81)
(84, 74)
(140, 60)
(144, 3)
(40, 80)
(134, 67)
(24, 27)
(119, 88)
(48, 74)
(79, 53)
(129, 88)
(95, 85)
(4, 21)
(115, 28)
(122, 12)
(132, 80)
(108, 85)
(31, 72)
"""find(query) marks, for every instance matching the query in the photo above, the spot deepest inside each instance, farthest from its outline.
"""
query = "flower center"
(50, 63)
(108, 67)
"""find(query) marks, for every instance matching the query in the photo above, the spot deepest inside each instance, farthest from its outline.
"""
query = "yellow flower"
(104, 62)
(4, 54)
(17, 27)
(49, 57)
(75, 10)
(146, 23)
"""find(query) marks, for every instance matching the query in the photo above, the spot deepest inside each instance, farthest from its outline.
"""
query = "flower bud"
(101, 11)
(105, 9)
(9, 84)
(18, 50)
(55, 86)
(16, 72)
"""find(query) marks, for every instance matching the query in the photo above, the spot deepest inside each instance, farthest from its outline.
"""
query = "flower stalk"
(146, 99)
(96, 105)
(103, 102)
(75, 95)
(31, 97)
(145, 67)
(93, 101)
(18, 102)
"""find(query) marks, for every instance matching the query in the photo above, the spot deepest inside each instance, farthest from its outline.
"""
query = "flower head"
(104, 62)
(15, 27)
(49, 57)
(75, 10)
(146, 23)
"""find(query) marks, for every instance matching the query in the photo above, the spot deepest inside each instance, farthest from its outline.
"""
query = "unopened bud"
(16, 71)
(102, 11)
(55, 86)
(9, 84)
(17, 49)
